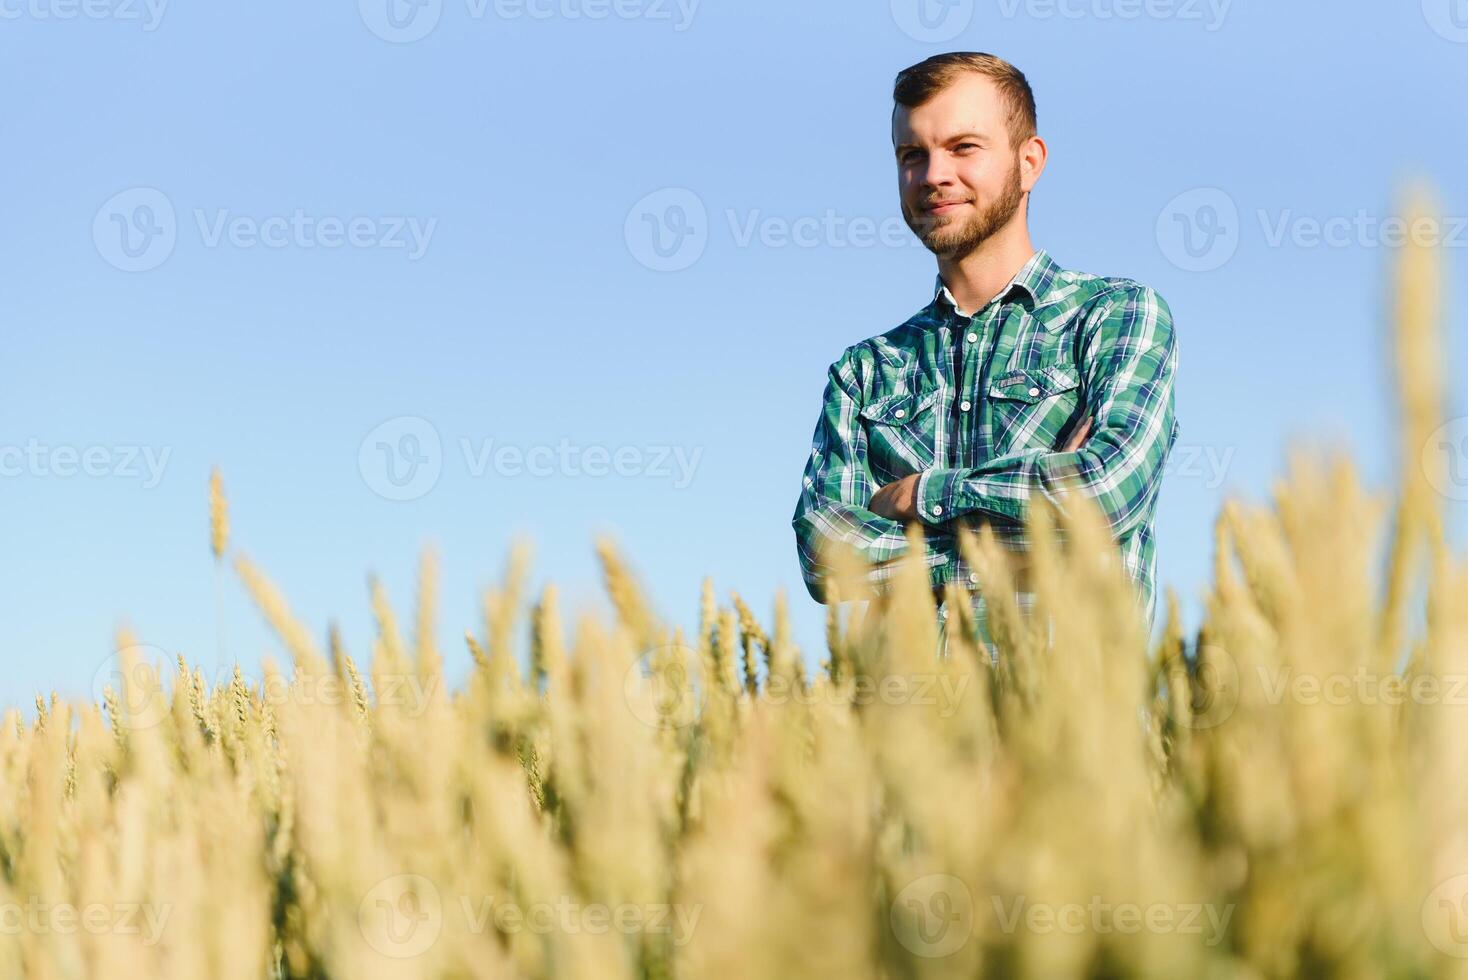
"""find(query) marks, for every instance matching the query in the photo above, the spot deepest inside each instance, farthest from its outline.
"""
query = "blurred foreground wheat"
(1283, 794)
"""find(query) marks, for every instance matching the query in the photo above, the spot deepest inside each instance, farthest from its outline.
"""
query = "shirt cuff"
(942, 496)
(935, 495)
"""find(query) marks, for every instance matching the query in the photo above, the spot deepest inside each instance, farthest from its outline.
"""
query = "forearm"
(1118, 467)
(1118, 481)
(878, 543)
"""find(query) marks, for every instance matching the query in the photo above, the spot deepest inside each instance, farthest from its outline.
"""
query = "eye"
(971, 145)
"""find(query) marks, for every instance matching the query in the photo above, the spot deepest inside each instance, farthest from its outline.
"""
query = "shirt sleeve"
(837, 487)
(1130, 357)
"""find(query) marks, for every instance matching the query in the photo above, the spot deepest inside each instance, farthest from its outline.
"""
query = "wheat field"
(1282, 793)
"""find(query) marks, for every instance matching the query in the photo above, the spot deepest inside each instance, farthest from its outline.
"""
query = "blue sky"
(279, 237)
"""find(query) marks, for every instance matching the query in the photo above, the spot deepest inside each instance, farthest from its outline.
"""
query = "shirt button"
(973, 338)
(965, 405)
(973, 577)
(1033, 393)
(902, 411)
(937, 508)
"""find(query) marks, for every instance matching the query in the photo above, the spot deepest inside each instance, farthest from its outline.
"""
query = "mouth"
(943, 207)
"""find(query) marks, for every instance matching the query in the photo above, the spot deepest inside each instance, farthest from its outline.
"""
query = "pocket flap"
(901, 408)
(1034, 384)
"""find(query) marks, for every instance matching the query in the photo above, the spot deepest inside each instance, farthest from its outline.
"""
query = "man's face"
(954, 152)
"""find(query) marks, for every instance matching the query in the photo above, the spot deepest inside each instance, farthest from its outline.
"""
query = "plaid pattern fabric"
(979, 404)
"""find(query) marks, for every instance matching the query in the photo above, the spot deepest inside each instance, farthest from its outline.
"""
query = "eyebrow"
(952, 139)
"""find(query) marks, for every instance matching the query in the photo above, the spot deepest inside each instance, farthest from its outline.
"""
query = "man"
(1018, 379)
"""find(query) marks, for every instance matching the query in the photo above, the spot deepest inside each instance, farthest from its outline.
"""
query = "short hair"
(920, 82)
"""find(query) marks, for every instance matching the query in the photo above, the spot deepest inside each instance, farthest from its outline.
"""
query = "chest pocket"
(901, 433)
(1029, 408)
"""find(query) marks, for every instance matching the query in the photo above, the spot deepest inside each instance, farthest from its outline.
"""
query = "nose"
(938, 172)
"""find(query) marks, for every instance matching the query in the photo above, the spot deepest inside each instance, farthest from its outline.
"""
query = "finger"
(1079, 436)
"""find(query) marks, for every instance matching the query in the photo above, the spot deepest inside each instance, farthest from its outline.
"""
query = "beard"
(952, 238)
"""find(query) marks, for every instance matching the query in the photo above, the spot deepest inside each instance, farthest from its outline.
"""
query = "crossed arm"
(899, 499)
(1129, 357)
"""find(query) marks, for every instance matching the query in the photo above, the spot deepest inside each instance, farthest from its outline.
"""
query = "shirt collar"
(1036, 278)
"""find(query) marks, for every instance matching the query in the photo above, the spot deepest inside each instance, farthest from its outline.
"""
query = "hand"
(897, 500)
(1078, 437)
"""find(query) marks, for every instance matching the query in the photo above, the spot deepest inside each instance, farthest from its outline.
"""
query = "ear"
(1032, 156)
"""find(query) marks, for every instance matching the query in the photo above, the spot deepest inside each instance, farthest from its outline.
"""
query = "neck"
(978, 277)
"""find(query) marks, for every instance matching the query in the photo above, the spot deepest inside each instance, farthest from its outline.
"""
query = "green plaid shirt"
(979, 404)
